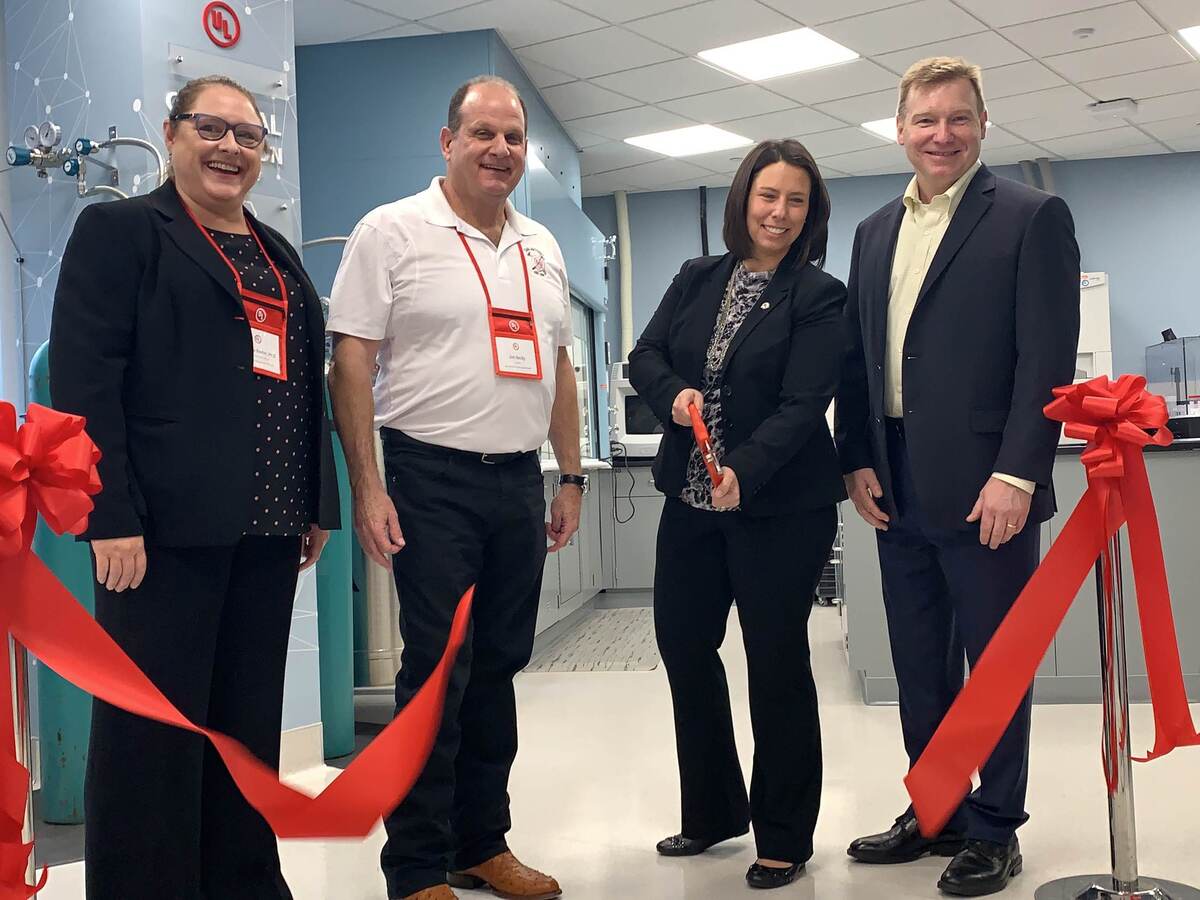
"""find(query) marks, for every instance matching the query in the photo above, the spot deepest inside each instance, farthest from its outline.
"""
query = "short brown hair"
(810, 245)
(939, 70)
(454, 115)
(186, 97)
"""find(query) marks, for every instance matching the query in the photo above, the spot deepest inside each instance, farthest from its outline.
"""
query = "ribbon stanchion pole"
(1123, 883)
(19, 679)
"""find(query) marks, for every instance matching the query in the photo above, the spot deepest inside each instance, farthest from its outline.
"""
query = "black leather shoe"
(903, 843)
(678, 845)
(982, 867)
(772, 876)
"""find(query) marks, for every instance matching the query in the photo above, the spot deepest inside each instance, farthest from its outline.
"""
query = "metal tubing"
(19, 679)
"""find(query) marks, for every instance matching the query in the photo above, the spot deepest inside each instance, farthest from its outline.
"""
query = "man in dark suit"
(963, 310)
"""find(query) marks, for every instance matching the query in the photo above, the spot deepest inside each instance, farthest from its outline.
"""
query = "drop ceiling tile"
(1019, 78)
(984, 49)
(328, 21)
(1141, 85)
(1120, 59)
(888, 156)
(597, 52)
(582, 98)
(664, 171)
(609, 182)
(998, 13)
(410, 29)
(1051, 102)
(668, 80)
(584, 139)
(862, 76)
(788, 122)
(816, 12)
(1112, 24)
(1185, 145)
(1112, 138)
(844, 140)
(613, 155)
(699, 181)
(414, 9)
(864, 108)
(913, 25)
(544, 76)
(1043, 128)
(1172, 129)
(722, 160)
(1175, 14)
(735, 102)
(1153, 149)
(997, 138)
(1170, 107)
(617, 11)
(710, 24)
(1010, 155)
(519, 22)
(616, 126)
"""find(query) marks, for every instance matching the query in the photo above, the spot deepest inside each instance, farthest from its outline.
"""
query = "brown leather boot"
(509, 878)
(437, 892)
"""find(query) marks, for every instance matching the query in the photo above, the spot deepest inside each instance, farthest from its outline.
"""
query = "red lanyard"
(242, 291)
(514, 339)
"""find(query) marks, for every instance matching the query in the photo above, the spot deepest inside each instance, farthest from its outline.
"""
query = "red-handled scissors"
(705, 444)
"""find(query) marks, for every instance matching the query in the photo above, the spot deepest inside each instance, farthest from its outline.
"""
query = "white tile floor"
(595, 786)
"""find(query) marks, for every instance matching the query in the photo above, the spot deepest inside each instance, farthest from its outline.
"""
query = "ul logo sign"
(513, 326)
(260, 315)
(221, 24)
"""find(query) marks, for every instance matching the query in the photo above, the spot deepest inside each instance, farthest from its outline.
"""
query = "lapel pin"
(766, 305)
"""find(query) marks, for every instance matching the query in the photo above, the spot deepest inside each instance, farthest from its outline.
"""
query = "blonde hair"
(939, 70)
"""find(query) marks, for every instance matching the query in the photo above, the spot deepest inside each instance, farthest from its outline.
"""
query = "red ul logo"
(221, 24)
(260, 315)
(513, 325)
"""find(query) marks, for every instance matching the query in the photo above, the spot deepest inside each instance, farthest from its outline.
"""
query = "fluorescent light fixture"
(882, 128)
(778, 54)
(689, 141)
(1192, 36)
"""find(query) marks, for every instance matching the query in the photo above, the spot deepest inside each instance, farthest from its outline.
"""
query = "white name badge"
(268, 355)
(516, 356)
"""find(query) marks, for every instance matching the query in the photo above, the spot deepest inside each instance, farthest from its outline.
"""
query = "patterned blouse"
(285, 475)
(741, 295)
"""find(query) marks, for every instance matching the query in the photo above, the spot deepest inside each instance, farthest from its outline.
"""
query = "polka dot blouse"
(285, 452)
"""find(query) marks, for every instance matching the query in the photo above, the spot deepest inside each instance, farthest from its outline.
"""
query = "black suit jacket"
(779, 376)
(996, 326)
(149, 342)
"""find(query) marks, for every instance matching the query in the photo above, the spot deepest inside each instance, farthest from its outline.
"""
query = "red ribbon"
(48, 466)
(1117, 419)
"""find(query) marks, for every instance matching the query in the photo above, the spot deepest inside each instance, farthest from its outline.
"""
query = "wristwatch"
(580, 481)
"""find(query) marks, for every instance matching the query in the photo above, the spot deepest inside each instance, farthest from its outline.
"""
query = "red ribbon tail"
(981, 713)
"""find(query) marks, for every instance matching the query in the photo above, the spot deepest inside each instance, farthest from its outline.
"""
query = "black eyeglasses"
(213, 128)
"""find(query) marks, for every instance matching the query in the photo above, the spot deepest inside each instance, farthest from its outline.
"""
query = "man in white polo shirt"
(464, 305)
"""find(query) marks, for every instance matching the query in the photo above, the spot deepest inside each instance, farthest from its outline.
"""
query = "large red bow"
(49, 467)
(1117, 419)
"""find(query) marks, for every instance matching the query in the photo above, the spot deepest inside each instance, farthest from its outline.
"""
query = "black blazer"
(779, 376)
(995, 327)
(148, 341)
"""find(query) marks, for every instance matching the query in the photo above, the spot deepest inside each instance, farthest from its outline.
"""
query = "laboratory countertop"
(1177, 446)
(550, 466)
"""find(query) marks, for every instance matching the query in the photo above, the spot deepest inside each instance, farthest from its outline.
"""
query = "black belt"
(399, 438)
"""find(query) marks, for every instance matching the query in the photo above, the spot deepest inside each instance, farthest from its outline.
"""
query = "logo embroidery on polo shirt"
(537, 262)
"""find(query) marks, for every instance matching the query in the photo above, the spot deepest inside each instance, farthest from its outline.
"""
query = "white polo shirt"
(406, 280)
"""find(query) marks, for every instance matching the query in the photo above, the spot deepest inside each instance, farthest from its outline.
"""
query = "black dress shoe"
(772, 876)
(983, 867)
(678, 845)
(903, 843)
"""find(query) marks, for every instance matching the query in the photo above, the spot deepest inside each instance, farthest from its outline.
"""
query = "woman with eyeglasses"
(189, 336)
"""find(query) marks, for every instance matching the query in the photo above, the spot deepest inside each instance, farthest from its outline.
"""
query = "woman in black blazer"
(189, 336)
(754, 339)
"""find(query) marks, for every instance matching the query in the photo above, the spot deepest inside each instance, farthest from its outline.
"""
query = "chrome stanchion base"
(1099, 887)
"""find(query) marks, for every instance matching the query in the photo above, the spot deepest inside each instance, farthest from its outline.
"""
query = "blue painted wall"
(1137, 218)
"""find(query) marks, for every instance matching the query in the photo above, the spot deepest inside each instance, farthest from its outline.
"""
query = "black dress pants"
(209, 626)
(770, 565)
(465, 522)
(945, 593)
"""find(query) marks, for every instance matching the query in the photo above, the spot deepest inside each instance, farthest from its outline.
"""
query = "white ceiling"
(612, 69)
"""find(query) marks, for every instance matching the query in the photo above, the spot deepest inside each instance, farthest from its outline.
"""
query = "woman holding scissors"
(750, 344)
